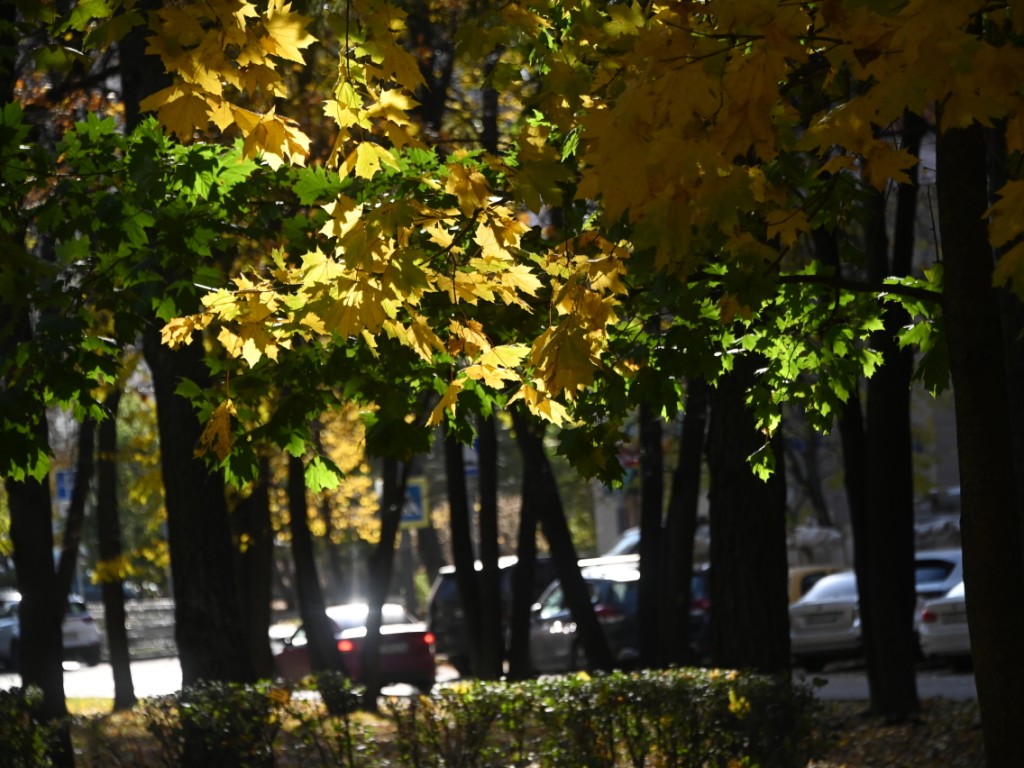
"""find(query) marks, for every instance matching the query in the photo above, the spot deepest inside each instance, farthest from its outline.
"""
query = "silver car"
(942, 626)
(80, 634)
(824, 624)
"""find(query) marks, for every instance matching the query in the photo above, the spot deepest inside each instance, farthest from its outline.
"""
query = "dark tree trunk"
(652, 493)
(681, 530)
(492, 608)
(885, 568)
(74, 522)
(42, 608)
(208, 625)
(990, 509)
(41, 611)
(563, 551)
(396, 477)
(749, 603)
(323, 651)
(463, 556)
(519, 664)
(255, 536)
(108, 525)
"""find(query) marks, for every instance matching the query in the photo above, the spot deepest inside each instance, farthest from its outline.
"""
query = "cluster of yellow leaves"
(224, 54)
(676, 109)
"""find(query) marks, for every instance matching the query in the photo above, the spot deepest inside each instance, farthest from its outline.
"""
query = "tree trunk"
(323, 650)
(492, 604)
(519, 665)
(108, 525)
(990, 517)
(652, 482)
(396, 477)
(75, 518)
(563, 551)
(749, 603)
(41, 611)
(681, 530)
(208, 625)
(463, 557)
(255, 537)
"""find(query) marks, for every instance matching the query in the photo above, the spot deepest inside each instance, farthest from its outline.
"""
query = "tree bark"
(42, 607)
(749, 603)
(463, 556)
(885, 569)
(323, 650)
(519, 665)
(681, 530)
(255, 541)
(990, 517)
(74, 521)
(492, 604)
(108, 525)
(652, 483)
(396, 477)
(563, 551)
(208, 625)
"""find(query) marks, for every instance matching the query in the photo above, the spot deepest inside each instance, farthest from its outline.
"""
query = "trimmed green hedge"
(650, 719)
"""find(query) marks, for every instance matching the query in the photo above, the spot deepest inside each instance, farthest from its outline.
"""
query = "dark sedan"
(406, 647)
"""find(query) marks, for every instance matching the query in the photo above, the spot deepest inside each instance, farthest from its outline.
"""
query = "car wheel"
(14, 662)
(91, 656)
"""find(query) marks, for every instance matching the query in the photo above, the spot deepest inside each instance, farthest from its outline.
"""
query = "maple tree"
(688, 152)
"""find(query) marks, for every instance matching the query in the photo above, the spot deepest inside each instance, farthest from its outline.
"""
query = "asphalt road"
(156, 677)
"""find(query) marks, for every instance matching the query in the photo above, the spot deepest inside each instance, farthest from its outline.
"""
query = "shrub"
(24, 736)
(217, 725)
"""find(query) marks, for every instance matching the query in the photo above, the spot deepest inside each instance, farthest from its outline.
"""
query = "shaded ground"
(945, 734)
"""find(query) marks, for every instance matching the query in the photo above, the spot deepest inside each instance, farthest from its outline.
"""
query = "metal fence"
(150, 625)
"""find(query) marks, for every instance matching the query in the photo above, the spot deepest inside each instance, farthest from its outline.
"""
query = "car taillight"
(428, 638)
(346, 646)
(700, 604)
(928, 616)
(607, 612)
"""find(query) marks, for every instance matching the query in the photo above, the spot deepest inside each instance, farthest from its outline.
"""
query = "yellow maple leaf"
(180, 108)
(787, 225)
(542, 405)
(217, 435)
(366, 160)
(492, 376)
(286, 32)
(179, 331)
(447, 402)
(1004, 215)
(468, 185)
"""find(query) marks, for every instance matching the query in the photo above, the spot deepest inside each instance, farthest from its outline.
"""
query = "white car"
(81, 636)
(824, 625)
(942, 626)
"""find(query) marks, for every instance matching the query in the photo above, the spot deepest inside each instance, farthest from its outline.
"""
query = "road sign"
(65, 485)
(416, 509)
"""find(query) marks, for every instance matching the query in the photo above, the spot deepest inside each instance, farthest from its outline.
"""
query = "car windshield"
(836, 587)
(353, 616)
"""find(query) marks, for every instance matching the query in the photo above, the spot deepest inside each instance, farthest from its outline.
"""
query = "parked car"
(942, 626)
(554, 643)
(81, 636)
(825, 623)
(446, 619)
(803, 577)
(406, 646)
